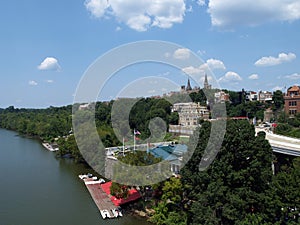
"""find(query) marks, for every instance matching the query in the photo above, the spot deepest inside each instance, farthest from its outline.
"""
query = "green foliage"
(287, 193)
(278, 100)
(139, 158)
(235, 183)
(118, 190)
(169, 210)
(44, 123)
(250, 109)
(199, 97)
(69, 146)
(173, 118)
(147, 109)
(173, 190)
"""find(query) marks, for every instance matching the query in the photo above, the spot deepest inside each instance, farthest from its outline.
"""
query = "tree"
(169, 209)
(118, 190)
(236, 182)
(287, 193)
(172, 191)
(278, 100)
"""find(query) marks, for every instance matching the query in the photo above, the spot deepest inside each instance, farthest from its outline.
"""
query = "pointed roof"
(206, 85)
(188, 87)
(205, 79)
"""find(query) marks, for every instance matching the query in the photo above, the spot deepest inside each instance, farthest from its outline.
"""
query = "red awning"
(133, 195)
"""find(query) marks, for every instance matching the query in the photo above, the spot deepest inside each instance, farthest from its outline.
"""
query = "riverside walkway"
(282, 144)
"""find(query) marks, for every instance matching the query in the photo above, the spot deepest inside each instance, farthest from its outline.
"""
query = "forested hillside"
(238, 187)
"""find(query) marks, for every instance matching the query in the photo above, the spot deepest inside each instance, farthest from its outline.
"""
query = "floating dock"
(50, 147)
(101, 199)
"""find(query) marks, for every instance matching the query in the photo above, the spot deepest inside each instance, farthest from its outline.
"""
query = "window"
(292, 103)
(293, 112)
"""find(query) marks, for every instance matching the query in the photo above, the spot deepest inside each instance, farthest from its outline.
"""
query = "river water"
(36, 188)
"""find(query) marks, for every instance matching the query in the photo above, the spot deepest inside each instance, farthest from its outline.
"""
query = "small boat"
(83, 176)
(116, 212)
(105, 214)
(101, 181)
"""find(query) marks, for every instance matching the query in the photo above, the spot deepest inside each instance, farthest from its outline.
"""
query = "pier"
(101, 199)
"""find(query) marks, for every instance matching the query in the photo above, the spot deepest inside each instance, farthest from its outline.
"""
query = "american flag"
(136, 132)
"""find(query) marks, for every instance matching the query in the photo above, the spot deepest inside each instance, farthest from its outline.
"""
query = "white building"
(190, 113)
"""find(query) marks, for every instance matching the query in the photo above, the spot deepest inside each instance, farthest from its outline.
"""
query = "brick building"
(292, 101)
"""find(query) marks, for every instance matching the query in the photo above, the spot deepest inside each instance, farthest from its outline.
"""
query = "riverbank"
(50, 193)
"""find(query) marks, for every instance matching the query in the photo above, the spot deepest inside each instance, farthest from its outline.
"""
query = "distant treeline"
(55, 123)
(126, 114)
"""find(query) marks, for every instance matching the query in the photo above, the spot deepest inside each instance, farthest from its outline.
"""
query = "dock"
(50, 147)
(102, 199)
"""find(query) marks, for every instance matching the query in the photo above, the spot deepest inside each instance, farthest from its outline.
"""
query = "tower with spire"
(206, 85)
(188, 87)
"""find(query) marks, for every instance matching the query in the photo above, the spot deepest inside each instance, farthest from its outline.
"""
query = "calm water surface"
(38, 189)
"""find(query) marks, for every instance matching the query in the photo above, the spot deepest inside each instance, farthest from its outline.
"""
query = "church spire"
(206, 85)
(188, 87)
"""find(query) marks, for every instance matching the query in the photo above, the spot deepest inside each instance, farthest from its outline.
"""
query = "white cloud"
(253, 77)
(32, 83)
(294, 76)
(232, 13)
(49, 81)
(210, 64)
(140, 15)
(182, 53)
(49, 63)
(277, 88)
(139, 22)
(214, 64)
(230, 76)
(96, 7)
(118, 28)
(272, 61)
(191, 70)
(201, 2)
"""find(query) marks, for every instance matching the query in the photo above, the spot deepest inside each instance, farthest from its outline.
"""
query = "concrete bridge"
(282, 144)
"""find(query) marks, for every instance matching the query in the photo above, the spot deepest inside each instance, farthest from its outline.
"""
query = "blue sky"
(46, 46)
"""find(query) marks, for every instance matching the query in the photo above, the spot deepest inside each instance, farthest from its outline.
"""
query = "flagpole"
(123, 146)
(134, 139)
(147, 145)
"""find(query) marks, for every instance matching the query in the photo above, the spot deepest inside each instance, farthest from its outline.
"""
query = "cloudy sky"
(47, 46)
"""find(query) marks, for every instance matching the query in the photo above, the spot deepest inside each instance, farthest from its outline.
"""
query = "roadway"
(281, 144)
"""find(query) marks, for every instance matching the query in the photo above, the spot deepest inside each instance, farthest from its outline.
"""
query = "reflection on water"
(37, 188)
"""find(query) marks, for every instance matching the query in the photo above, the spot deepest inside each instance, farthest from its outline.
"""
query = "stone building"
(187, 89)
(189, 115)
